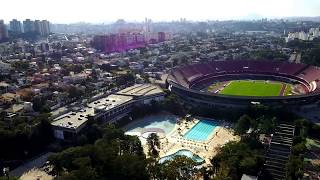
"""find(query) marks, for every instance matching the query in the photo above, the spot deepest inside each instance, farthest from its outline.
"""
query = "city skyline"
(96, 11)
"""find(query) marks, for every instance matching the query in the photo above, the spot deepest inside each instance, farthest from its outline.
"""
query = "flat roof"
(141, 90)
(73, 120)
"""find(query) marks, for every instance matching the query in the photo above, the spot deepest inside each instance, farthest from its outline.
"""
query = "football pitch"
(252, 88)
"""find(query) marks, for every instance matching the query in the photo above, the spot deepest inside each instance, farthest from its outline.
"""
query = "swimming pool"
(164, 122)
(182, 152)
(201, 131)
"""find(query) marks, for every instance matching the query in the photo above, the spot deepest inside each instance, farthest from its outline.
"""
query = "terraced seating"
(309, 76)
(279, 152)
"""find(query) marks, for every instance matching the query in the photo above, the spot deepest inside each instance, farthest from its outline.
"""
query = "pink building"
(119, 42)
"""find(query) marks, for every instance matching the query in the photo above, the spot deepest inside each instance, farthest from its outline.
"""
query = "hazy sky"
(96, 11)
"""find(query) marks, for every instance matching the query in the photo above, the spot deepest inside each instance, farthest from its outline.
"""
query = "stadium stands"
(279, 152)
(189, 75)
(188, 82)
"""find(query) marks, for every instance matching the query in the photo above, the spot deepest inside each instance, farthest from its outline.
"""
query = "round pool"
(182, 152)
(164, 122)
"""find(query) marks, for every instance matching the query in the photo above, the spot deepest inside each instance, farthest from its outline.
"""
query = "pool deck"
(175, 141)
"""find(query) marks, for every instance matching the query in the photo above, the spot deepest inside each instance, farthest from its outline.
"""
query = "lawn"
(252, 88)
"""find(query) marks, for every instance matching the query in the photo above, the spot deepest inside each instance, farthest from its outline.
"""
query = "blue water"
(165, 122)
(182, 152)
(201, 130)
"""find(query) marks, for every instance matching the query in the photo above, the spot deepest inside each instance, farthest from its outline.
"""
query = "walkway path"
(283, 89)
(34, 163)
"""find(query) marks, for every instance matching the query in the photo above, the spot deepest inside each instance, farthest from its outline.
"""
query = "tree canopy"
(114, 156)
(237, 158)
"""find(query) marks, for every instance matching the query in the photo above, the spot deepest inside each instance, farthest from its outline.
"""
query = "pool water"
(182, 152)
(164, 122)
(201, 131)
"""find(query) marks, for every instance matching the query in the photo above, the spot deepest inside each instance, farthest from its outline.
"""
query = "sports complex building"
(104, 109)
(239, 83)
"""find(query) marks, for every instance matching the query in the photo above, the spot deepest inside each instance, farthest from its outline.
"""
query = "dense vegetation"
(118, 156)
(114, 156)
(304, 129)
(22, 138)
(231, 161)
(310, 50)
(237, 158)
(269, 55)
(105, 152)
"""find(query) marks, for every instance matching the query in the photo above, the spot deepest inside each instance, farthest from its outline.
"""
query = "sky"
(99, 11)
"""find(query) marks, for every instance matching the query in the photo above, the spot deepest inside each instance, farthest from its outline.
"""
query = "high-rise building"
(42, 27)
(118, 42)
(15, 26)
(161, 36)
(3, 31)
(37, 26)
(303, 36)
(147, 29)
(28, 26)
(45, 28)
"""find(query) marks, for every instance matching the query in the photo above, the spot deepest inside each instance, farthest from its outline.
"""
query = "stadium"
(239, 83)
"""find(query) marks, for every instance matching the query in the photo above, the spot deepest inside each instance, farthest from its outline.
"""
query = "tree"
(23, 138)
(145, 77)
(248, 164)
(128, 78)
(266, 124)
(84, 173)
(39, 104)
(74, 92)
(153, 144)
(243, 124)
(294, 167)
(114, 156)
(237, 158)
(173, 104)
(154, 168)
(180, 167)
(299, 148)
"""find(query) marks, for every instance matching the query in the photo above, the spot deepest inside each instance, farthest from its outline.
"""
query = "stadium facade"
(188, 82)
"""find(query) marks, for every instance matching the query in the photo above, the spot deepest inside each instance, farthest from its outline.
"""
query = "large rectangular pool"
(201, 131)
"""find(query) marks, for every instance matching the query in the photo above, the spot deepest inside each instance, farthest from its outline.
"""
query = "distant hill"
(315, 19)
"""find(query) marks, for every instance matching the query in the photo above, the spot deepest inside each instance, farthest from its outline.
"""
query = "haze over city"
(96, 11)
(160, 89)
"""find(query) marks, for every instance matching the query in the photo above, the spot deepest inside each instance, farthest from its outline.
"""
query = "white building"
(108, 109)
(303, 36)
(313, 33)
(73, 78)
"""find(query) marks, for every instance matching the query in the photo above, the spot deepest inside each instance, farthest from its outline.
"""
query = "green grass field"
(252, 88)
(288, 90)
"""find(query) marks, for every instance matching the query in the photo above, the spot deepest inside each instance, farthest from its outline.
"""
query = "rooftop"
(141, 90)
(75, 119)
(78, 117)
